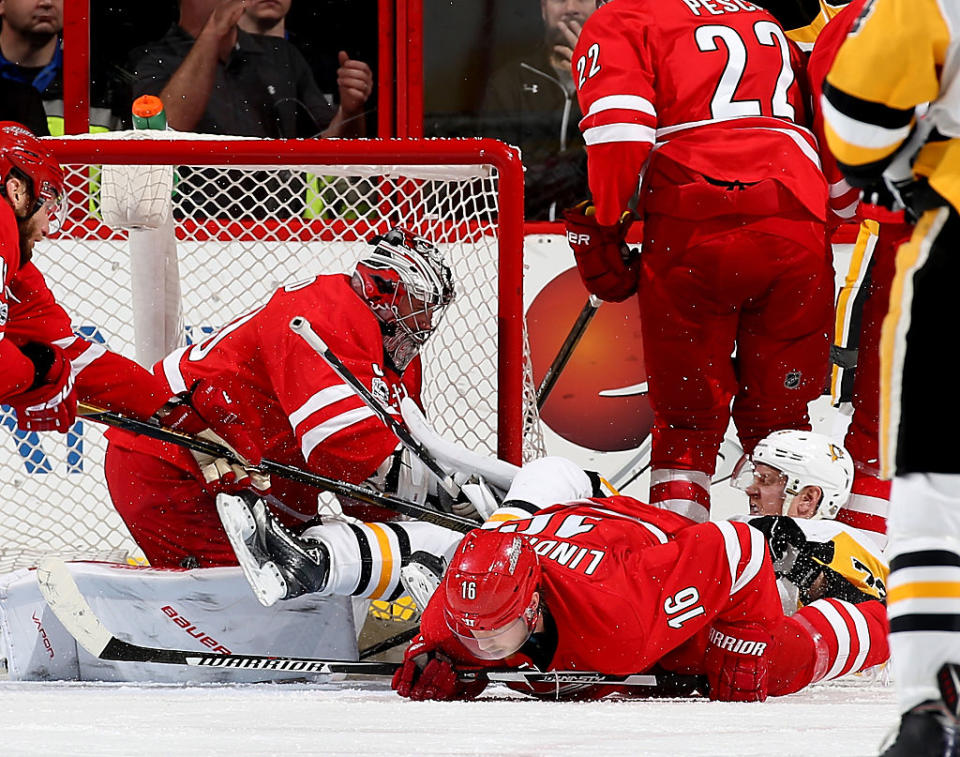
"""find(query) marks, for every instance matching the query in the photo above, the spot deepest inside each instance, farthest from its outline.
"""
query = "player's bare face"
(32, 230)
(767, 491)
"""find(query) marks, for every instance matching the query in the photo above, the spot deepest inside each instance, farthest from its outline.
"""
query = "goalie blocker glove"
(608, 267)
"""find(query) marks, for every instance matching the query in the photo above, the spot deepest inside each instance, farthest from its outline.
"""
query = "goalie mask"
(407, 285)
(800, 459)
(491, 591)
(23, 156)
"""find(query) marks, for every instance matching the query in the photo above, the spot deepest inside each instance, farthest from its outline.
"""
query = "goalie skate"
(277, 564)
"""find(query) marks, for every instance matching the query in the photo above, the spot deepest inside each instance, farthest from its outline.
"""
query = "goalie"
(285, 394)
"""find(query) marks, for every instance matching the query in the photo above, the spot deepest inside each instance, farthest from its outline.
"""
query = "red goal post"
(169, 236)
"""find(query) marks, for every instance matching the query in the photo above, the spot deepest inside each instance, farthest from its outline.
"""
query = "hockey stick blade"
(64, 597)
(155, 431)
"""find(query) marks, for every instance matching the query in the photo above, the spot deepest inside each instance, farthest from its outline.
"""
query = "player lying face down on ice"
(601, 584)
(374, 320)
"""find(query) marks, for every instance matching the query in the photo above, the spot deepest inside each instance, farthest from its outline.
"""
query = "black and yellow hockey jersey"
(894, 60)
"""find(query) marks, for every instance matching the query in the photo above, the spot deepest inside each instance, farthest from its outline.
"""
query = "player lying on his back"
(375, 321)
(622, 575)
(813, 555)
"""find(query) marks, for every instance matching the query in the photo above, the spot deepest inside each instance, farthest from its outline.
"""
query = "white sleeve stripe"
(622, 102)
(86, 357)
(848, 212)
(731, 543)
(757, 550)
(328, 428)
(599, 135)
(658, 532)
(171, 370)
(833, 617)
(65, 343)
(685, 507)
(860, 133)
(863, 635)
(323, 398)
(839, 188)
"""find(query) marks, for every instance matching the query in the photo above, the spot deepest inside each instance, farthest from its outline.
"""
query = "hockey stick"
(389, 643)
(64, 597)
(566, 349)
(300, 326)
(354, 491)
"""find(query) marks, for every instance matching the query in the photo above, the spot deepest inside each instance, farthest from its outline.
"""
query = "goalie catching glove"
(209, 412)
(608, 267)
(50, 404)
(428, 674)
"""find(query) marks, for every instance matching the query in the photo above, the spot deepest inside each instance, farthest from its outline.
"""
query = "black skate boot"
(277, 564)
(930, 729)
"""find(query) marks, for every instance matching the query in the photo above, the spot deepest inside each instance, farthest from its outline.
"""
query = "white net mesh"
(240, 232)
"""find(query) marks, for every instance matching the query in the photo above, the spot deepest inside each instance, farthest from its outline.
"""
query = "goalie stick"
(566, 349)
(63, 596)
(363, 494)
(300, 326)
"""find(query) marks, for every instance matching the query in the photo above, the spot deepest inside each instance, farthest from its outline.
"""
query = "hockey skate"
(277, 564)
(930, 728)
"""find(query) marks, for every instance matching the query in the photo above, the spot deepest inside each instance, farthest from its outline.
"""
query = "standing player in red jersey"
(46, 368)
(374, 321)
(694, 123)
(618, 587)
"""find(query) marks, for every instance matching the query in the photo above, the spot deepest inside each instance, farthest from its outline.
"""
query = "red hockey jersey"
(30, 313)
(708, 91)
(629, 585)
(291, 399)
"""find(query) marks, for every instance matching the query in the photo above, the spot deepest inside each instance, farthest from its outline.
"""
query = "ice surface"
(838, 719)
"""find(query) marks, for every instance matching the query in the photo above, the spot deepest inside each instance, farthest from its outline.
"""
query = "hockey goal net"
(169, 236)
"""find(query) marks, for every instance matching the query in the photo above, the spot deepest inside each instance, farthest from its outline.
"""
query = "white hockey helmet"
(806, 458)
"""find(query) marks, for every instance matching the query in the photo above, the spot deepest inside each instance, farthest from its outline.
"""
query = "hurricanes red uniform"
(30, 313)
(628, 586)
(291, 399)
(864, 299)
(703, 101)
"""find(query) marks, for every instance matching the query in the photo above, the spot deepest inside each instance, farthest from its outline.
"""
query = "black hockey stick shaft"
(289, 472)
(566, 349)
(300, 326)
(389, 643)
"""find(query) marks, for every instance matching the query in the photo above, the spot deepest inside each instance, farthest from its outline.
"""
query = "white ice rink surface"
(839, 720)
